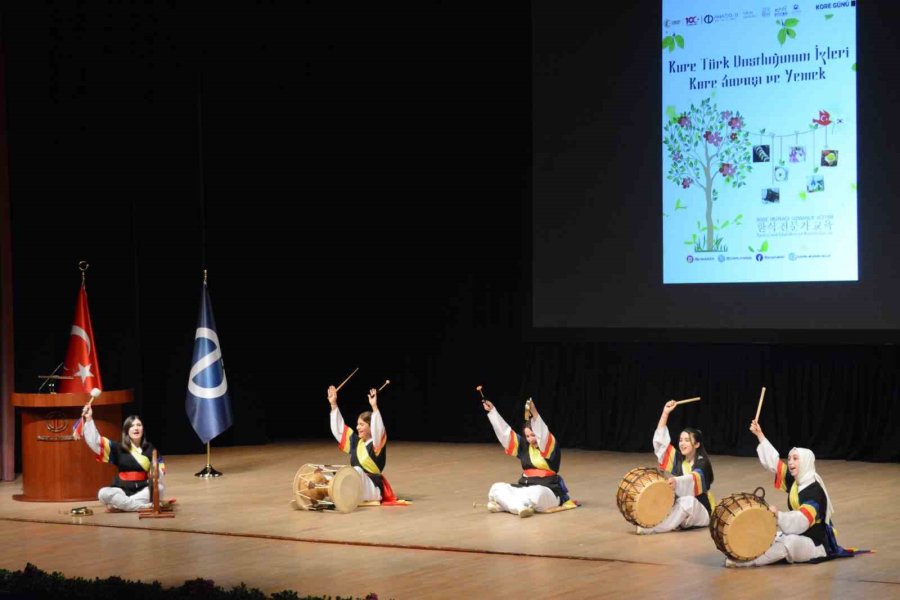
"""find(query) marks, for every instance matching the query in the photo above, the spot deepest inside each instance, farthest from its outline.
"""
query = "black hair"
(701, 457)
(126, 440)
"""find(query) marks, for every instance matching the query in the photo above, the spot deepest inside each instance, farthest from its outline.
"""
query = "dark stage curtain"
(840, 401)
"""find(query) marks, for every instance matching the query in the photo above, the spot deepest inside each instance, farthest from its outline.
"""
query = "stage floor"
(241, 528)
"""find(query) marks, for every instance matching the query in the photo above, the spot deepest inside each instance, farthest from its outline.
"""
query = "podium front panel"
(55, 466)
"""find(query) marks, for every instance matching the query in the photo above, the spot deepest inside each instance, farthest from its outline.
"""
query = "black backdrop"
(363, 201)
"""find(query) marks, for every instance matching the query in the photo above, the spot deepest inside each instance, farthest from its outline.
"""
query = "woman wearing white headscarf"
(804, 532)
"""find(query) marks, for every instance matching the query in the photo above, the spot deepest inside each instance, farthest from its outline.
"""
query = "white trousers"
(795, 548)
(687, 512)
(513, 499)
(370, 490)
(117, 498)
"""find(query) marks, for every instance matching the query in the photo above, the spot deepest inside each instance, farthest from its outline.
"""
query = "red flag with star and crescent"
(81, 359)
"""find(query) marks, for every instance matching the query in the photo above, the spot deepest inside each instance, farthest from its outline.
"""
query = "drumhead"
(643, 496)
(750, 533)
(346, 489)
(653, 504)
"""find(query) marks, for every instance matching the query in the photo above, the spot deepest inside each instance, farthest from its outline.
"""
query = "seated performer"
(130, 490)
(540, 488)
(805, 532)
(692, 476)
(367, 447)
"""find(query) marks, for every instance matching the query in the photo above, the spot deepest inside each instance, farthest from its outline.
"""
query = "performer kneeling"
(693, 476)
(367, 447)
(540, 488)
(130, 490)
(805, 532)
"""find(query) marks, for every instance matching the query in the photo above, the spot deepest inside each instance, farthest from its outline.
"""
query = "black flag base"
(208, 471)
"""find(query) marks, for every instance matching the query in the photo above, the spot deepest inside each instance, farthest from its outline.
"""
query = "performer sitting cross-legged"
(130, 490)
(805, 532)
(540, 488)
(367, 447)
(692, 476)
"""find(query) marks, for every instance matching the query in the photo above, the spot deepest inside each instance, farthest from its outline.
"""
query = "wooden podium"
(55, 466)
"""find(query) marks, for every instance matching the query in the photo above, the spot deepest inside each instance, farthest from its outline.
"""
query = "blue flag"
(208, 405)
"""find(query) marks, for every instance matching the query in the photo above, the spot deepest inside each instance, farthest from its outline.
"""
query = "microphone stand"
(52, 375)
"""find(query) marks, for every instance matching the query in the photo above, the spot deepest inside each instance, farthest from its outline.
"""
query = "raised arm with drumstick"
(692, 474)
(131, 454)
(540, 488)
(805, 531)
(366, 445)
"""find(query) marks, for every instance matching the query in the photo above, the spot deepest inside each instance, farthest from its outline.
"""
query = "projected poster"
(759, 144)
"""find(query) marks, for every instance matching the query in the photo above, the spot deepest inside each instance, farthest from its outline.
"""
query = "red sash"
(537, 473)
(133, 476)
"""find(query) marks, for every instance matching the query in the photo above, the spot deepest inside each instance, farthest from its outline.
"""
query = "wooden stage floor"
(241, 528)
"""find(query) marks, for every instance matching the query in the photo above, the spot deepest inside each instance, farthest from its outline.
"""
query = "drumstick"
(762, 395)
(384, 385)
(338, 388)
(687, 400)
(478, 388)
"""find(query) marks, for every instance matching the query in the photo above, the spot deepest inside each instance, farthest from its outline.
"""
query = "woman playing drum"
(540, 488)
(692, 476)
(804, 532)
(367, 447)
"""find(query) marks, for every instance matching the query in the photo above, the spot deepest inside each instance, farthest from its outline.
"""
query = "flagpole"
(208, 470)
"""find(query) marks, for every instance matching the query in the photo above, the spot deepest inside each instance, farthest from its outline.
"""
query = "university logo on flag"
(81, 362)
(208, 404)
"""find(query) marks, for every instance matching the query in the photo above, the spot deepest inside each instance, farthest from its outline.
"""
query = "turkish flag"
(81, 359)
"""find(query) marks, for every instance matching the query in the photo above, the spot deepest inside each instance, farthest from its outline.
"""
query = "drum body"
(327, 487)
(742, 526)
(644, 498)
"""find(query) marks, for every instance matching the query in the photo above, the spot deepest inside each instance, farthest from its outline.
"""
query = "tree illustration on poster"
(703, 144)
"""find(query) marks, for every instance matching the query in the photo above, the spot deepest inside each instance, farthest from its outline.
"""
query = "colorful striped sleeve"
(344, 442)
(546, 440)
(103, 452)
(668, 459)
(505, 434)
(781, 473)
(512, 445)
(379, 433)
(700, 485)
(810, 510)
(550, 447)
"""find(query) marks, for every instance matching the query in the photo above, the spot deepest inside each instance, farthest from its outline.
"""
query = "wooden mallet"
(95, 393)
(478, 389)
(762, 395)
(384, 385)
(685, 401)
